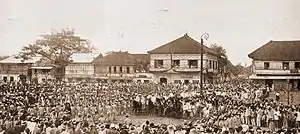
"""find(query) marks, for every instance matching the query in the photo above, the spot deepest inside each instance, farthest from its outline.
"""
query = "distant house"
(13, 69)
(276, 64)
(116, 66)
(81, 67)
(42, 71)
(179, 61)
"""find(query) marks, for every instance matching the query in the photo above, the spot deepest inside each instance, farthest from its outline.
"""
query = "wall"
(183, 59)
(78, 70)
(276, 65)
(180, 76)
(105, 69)
(13, 70)
(40, 75)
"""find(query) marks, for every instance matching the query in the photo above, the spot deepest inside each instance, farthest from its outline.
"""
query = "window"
(193, 63)
(128, 70)
(115, 69)
(46, 71)
(35, 71)
(297, 65)
(158, 63)
(5, 79)
(210, 65)
(213, 64)
(11, 79)
(121, 69)
(177, 81)
(146, 81)
(109, 69)
(266, 65)
(195, 81)
(285, 65)
(176, 63)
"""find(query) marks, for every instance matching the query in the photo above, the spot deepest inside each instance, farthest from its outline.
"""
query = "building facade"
(16, 70)
(42, 71)
(81, 67)
(179, 61)
(276, 64)
(116, 66)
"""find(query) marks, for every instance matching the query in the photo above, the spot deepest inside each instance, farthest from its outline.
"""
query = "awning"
(41, 67)
(273, 77)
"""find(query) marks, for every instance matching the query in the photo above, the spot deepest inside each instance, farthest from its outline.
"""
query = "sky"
(137, 26)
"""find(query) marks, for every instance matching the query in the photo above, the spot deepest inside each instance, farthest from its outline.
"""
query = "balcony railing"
(273, 71)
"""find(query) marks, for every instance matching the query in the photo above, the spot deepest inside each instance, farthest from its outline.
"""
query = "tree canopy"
(219, 49)
(57, 46)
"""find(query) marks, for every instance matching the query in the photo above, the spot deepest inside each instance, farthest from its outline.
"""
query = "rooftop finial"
(186, 32)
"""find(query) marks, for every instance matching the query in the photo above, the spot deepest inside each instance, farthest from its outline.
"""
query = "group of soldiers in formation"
(238, 106)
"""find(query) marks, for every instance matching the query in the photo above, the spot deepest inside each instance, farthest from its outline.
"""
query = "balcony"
(158, 69)
(114, 75)
(277, 72)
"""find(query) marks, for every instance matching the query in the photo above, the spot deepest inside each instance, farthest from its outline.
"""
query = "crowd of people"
(93, 108)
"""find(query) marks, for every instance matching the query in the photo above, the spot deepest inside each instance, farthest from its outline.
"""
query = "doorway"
(163, 80)
(298, 85)
(186, 81)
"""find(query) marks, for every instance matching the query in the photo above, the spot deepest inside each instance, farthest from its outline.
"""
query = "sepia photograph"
(149, 67)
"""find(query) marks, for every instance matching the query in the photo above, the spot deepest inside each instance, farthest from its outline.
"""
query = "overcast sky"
(137, 26)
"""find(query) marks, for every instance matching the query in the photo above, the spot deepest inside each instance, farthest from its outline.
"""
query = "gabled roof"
(182, 45)
(84, 57)
(116, 59)
(278, 51)
(14, 60)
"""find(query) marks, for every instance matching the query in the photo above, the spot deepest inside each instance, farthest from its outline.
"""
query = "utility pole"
(201, 66)
(206, 36)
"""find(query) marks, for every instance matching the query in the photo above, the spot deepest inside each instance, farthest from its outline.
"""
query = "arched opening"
(22, 78)
(163, 80)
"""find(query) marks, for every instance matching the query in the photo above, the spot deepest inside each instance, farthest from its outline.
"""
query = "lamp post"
(206, 36)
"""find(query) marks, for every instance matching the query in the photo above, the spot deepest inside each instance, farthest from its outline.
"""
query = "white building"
(277, 65)
(81, 67)
(184, 54)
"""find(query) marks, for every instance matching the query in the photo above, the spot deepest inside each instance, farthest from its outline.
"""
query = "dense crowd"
(92, 108)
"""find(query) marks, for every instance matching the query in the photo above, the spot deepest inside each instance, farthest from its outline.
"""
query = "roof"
(182, 45)
(116, 59)
(43, 62)
(278, 51)
(83, 57)
(14, 60)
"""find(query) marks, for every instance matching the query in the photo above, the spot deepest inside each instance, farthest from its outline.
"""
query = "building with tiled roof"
(121, 66)
(81, 67)
(14, 69)
(277, 64)
(179, 61)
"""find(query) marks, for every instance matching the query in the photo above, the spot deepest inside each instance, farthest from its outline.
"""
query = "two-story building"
(277, 65)
(179, 61)
(14, 69)
(42, 71)
(116, 66)
(81, 67)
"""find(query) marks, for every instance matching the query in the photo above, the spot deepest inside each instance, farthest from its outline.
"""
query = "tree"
(3, 57)
(57, 47)
(219, 49)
